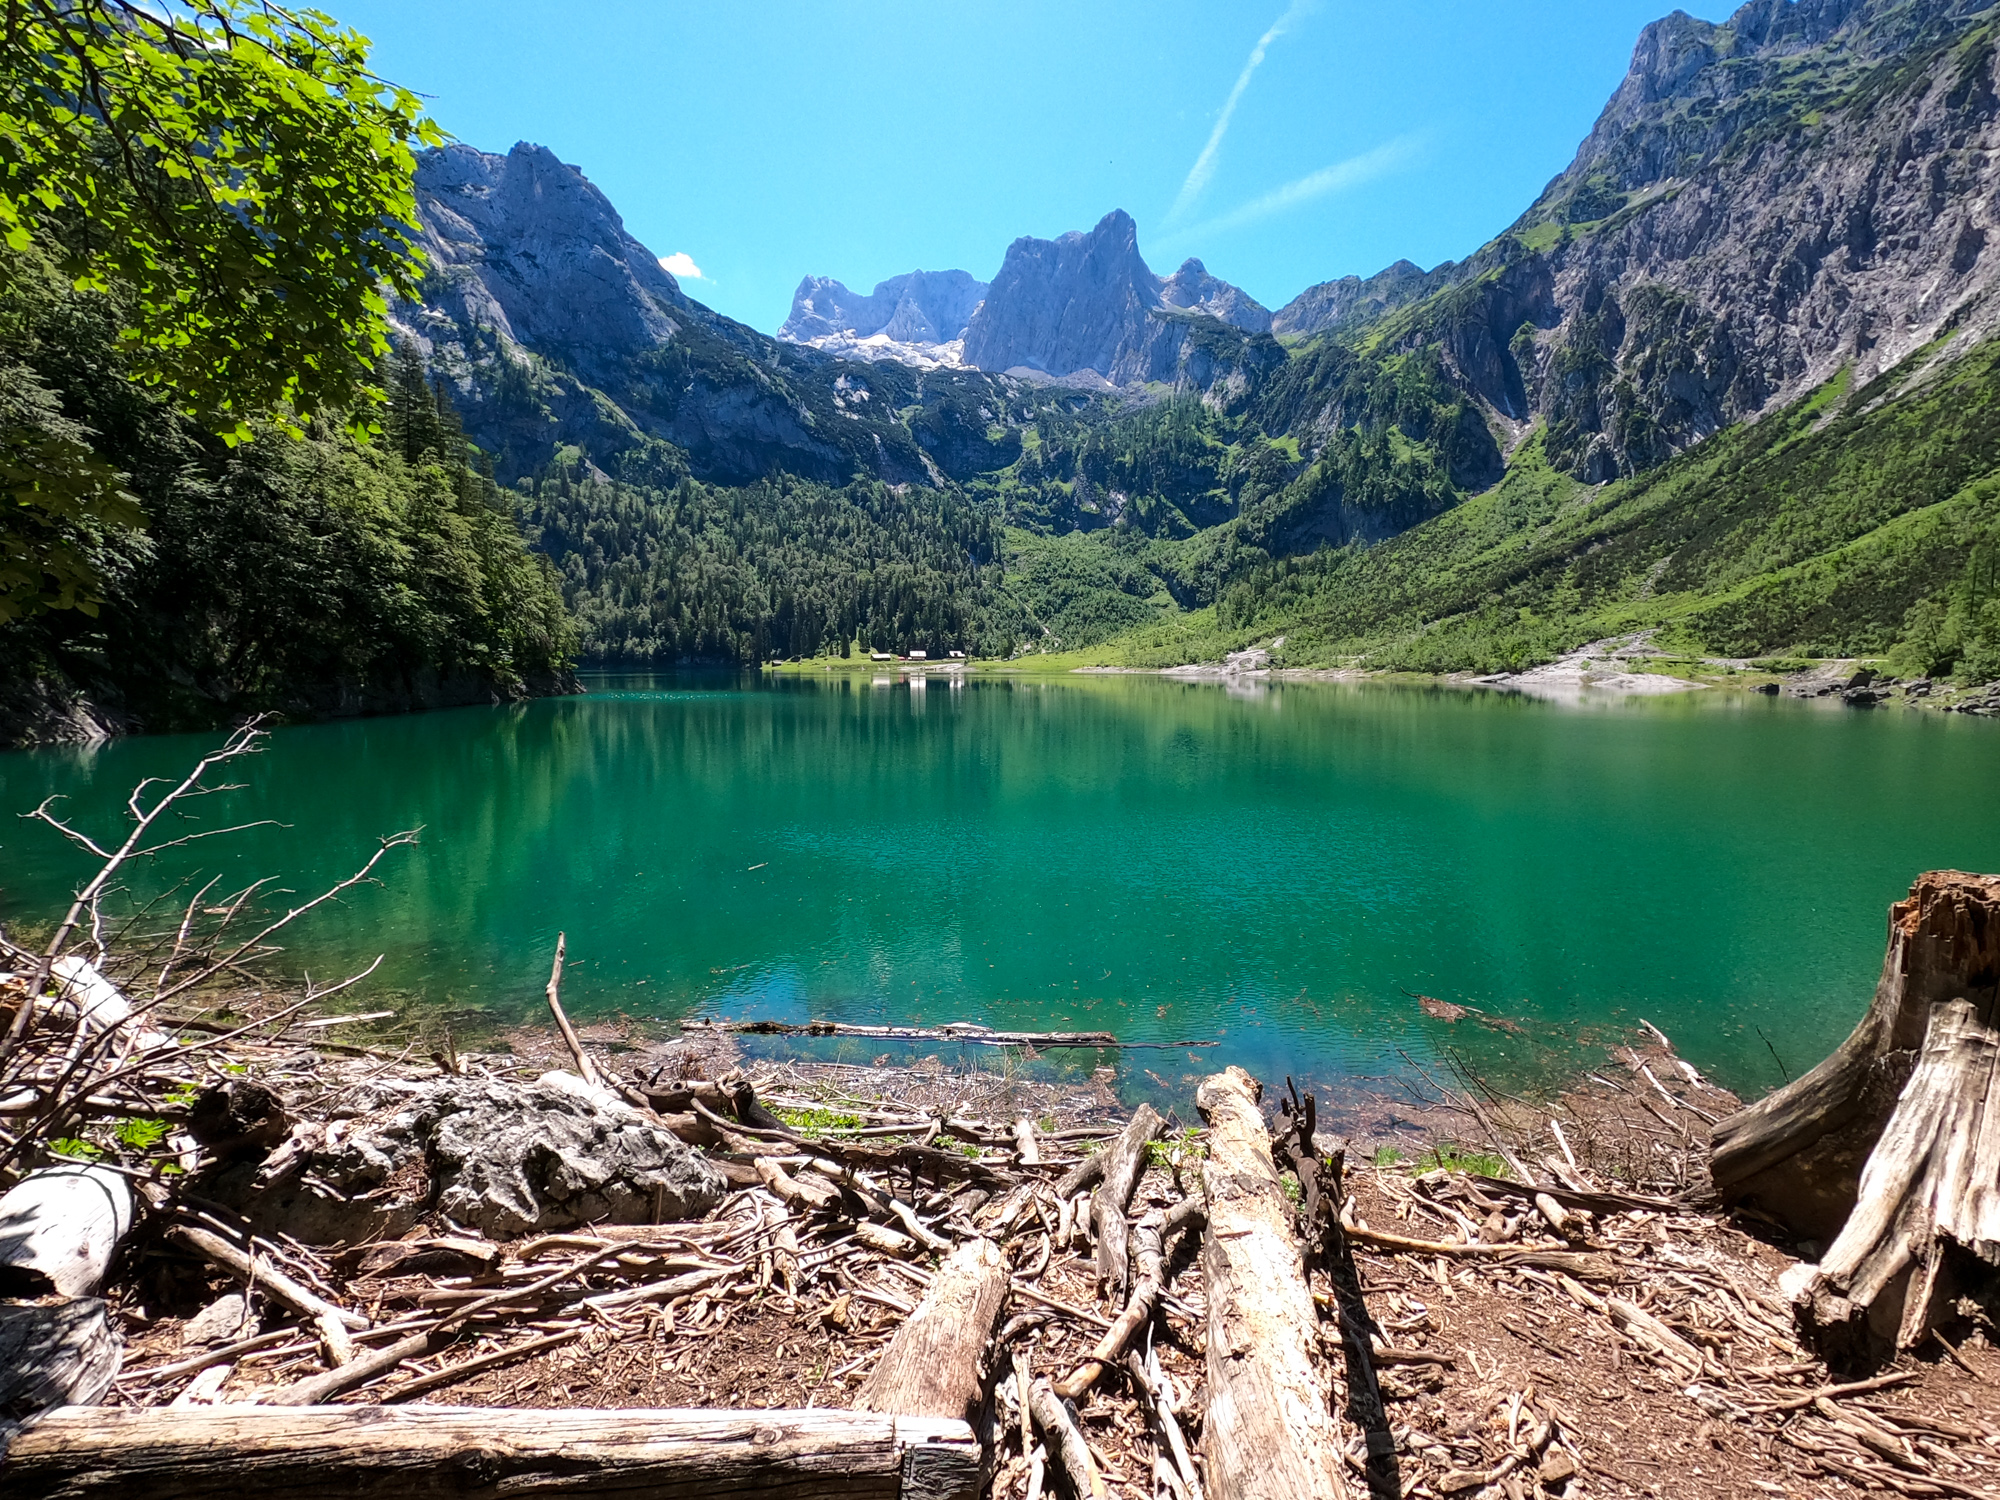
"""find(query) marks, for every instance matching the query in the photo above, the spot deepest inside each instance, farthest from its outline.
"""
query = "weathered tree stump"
(1270, 1430)
(59, 1229)
(1890, 1148)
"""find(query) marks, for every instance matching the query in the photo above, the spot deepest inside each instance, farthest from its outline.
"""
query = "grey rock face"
(922, 307)
(510, 1159)
(1335, 304)
(526, 246)
(1089, 302)
(1755, 209)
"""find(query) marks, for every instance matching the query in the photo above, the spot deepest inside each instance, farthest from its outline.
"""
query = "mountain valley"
(1789, 203)
(1728, 380)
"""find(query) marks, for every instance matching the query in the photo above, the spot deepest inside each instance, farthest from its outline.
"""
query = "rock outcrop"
(1333, 305)
(1089, 302)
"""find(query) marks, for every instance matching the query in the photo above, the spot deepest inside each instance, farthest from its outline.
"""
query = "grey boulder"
(509, 1159)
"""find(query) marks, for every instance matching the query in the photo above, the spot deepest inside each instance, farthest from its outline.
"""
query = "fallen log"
(1125, 1158)
(424, 1452)
(1269, 1432)
(1798, 1153)
(932, 1366)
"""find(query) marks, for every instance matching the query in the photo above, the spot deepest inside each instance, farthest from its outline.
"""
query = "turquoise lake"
(1269, 867)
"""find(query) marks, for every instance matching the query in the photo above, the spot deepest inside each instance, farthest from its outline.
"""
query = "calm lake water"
(1271, 868)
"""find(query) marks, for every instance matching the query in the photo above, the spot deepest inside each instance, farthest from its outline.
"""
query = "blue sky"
(1283, 143)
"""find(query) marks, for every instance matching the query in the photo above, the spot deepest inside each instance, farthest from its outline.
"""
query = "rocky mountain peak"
(1192, 288)
(1087, 303)
(916, 318)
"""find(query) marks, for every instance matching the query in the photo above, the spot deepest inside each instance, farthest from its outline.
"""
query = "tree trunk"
(1798, 1154)
(932, 1366)
(429, 1452)
(1124, 1160)
(1270, 1431)
(59, 1229)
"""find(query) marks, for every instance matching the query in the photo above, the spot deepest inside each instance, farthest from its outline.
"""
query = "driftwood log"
(59, 1229)
(932, 1367)
(1891, 1147)
(407, 1452)
(1269, 1432)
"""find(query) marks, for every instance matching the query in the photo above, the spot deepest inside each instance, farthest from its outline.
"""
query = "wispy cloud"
(680, 263)
(1204, 164)
(1342, 175)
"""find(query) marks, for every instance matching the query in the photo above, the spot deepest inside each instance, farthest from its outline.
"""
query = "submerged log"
(407, 1452)
(932, 1366)
(1269, 1432)
(956, 1031)
(1798, 1154)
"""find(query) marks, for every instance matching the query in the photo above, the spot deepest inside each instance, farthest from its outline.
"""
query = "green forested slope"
(310, 574)
(1859, 522)
(787, 567)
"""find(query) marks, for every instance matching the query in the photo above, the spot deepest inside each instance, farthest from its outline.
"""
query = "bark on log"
(932, 1366)
(1125, 1159)
(1931, 1188)
(1269, 1431)
(1797, 1154)
(427, 1452)
(59, 1229)
(65, 1354)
